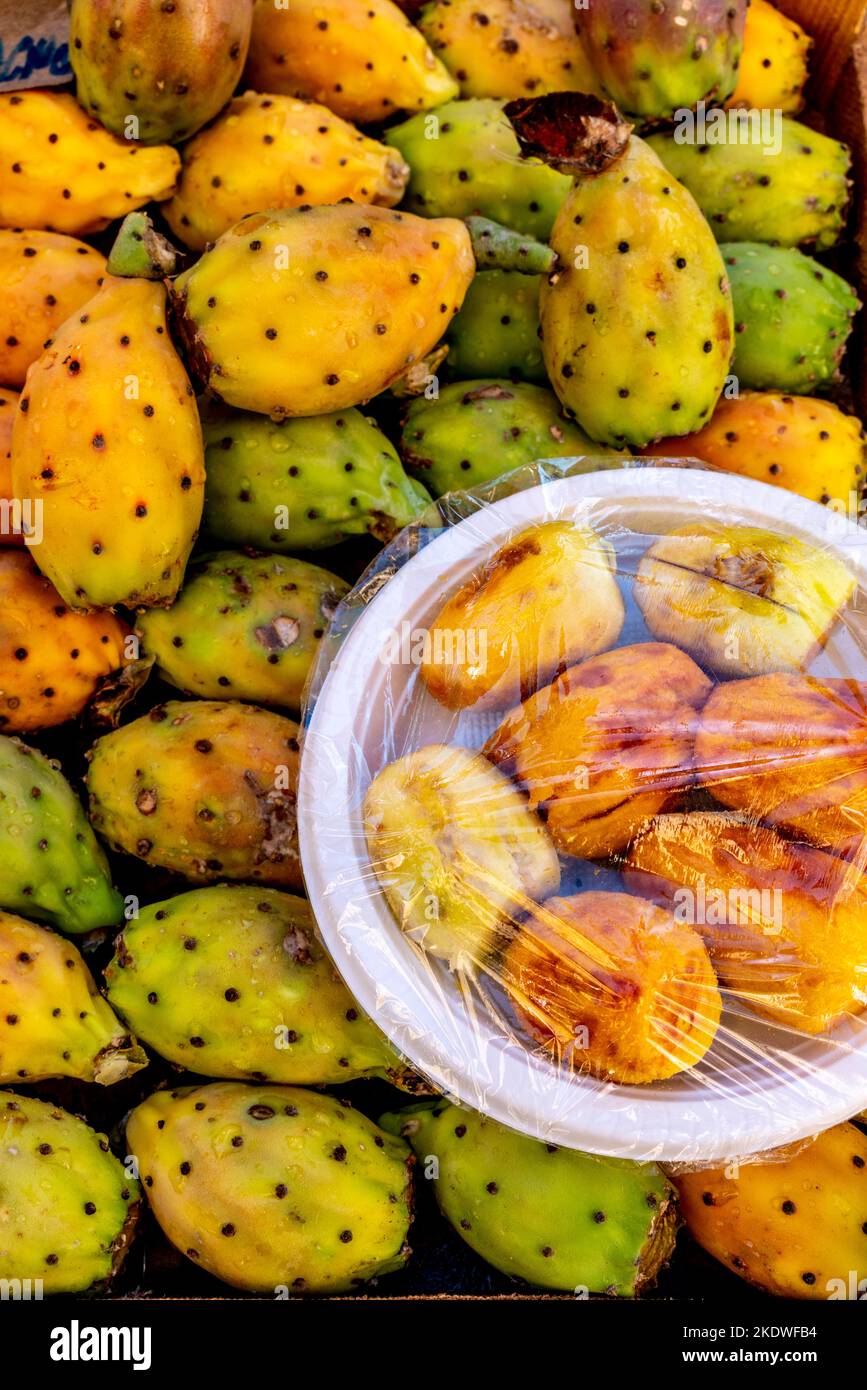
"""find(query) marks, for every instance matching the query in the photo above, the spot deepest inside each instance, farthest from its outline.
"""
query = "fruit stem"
(576, 134)
(139, 252)
(499, 248)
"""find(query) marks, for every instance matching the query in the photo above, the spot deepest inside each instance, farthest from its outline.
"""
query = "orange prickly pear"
(45, 277)
(11, 532)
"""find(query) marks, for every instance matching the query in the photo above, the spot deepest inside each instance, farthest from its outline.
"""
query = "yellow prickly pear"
(11, 533)
(45, 277)
(774, 63)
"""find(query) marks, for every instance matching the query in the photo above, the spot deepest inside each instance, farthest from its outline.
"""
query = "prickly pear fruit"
(558, 1218)
(791, 1223)
(306, 483)
(45, 278)
(206, 789)
(796, 195)
(510, 49)
(235, 983)
(653, 59)
(496, 333)
(299, 312)
(465, 159)
(157, 72)
(107, 437)
(793, 318)
(304, 154)
(273, 1187)
(51, 867)
(774, 63)
(362, 59)
(258, 618)
(53, 1022)
(11, 528)
(67, 173)
(796, 442)
(477, 430)
(67, 1208)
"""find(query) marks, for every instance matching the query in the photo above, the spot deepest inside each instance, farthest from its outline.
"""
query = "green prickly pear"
(750, 191)
(555, 1217)
(52, 1020)
(306, 483)
(258, 617)
(67, 1208)
(273, 1187)
(157, 72)
(51, 866)
(204, 788)
(496, 333)
(793, 318)
(235, 983)
(477, 430)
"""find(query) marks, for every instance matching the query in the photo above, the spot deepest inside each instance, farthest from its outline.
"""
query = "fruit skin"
(69, 1210)
(799, 443)
(511, 48)
(533, 1210)
(315, 1198)
(171, 67)
(496, 333)
(52, 867)
(622, 974)
(45, 277)
(546, 599)
(304, 154)
(456, 852)
(795, 197)
(281, 340)
(255, 999)
(299, 471)
(477, 430)
(741, 600)
(465, 159)
(52, 1020)
(9, 536)
(85, 160)
(792, 1222)
(793, 318)
(784, 924)
(204, 788)
(107, 437)
(260, 617)
(637, 345)
(653, 60)
(364, 61)
(606, 746)
(774, 63)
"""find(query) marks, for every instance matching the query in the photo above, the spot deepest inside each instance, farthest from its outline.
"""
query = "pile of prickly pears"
(272, 277)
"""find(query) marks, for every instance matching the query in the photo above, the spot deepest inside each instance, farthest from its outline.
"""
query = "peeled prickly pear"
(45, 278)
(496, 333)
(256, 618)
(235, 983)
(107, 437)
(205, 788)
(69, 1210)
(11, 531)
(64, 172)
(555, 1217)
(793, 318)
(304, 154)
(774, 63)
(363, 59)
(157, 72)
(273, 1187)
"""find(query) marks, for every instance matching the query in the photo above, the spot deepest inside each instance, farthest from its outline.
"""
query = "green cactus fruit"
(259, 618)
(235, 983)
(465, 159)
(748, 190)
(274, 1188)
(477, 430)
(51, 866)
(496, 333)
(52, 1020)
(653, 58)
(157, 72)
(205, 788)
(67, 1209)
(555, 1217)
(304, 484)
(793, 318)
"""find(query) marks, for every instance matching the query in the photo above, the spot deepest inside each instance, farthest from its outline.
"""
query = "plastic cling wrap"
(583, 806)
